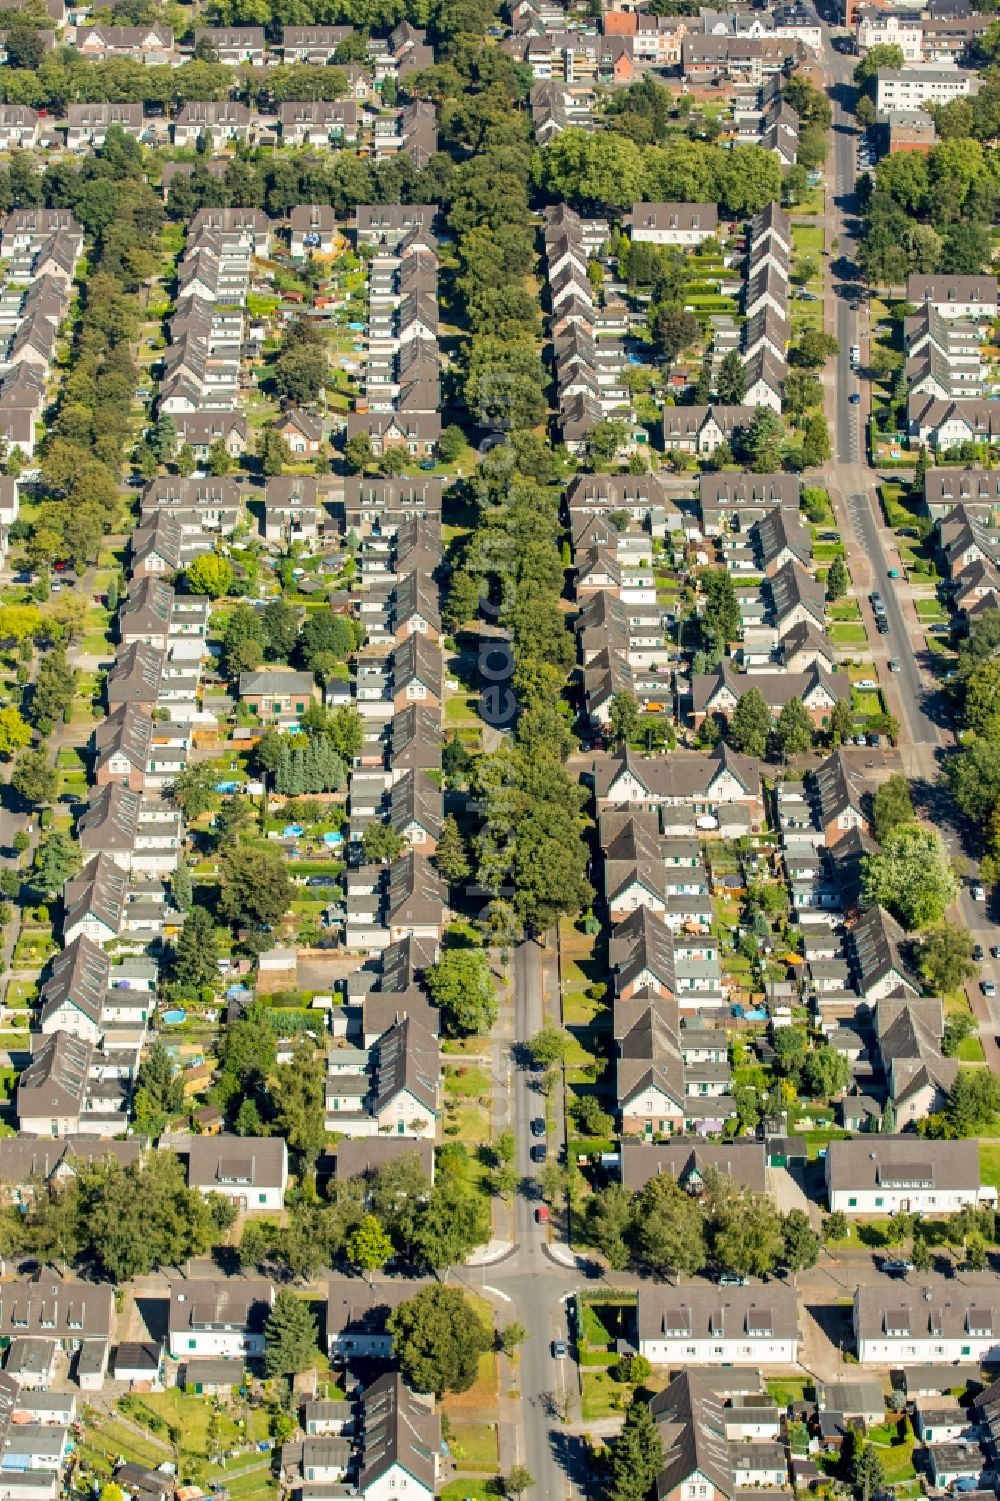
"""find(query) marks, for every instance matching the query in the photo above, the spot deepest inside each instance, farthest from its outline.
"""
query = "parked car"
(897, 1268)
(978, 893)
(995, 951)
(977, 951)
(893, 664)
(988, 988)
(539, 1152)
(542, 1214)
(854, 399)
(731, 1279)
(538, 1126)
(560, 1349)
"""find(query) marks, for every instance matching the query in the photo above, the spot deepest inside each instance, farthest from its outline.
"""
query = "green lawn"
(847, 634)
(474, 1446)
(471, 1490)
(931, 611)
(602, 1397)
(970, 1050)
(989, 1163)
(807, 239)
(844, 610)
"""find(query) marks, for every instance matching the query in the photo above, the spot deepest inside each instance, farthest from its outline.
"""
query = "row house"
(393, 1087)
(404, 50)
(947, 489)
(718, 1326)
(386, 906)
(106, 904)
(556, 107)
(945, 424)
(72, 1088)
(649, 957)
(291, 508)
(152, 45)
(18, 127)
(88, 124)
(377, 505)
(703, 429)
(216, 122)
(905, 1325)
(714, 1443)
(918, 1077)
(943, 354)
(236, 46)
(955, 296)
(590, 374)
(689, 791)
(714, 59)
(80, 997)
(904, 29)
(316, 45)
(665, 1086)
(878, 1174)
(718, 693)
(140, 834)
(319, 122)
(140, 751)
(154, 613)
(673, 224)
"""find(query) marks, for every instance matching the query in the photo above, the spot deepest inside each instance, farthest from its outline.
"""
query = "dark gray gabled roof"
(690, 1421)
(874, 943)
(396, 1428)
(640, 942)
(741, 1161)
(100, 891)
(406, 1057)
(79, 976)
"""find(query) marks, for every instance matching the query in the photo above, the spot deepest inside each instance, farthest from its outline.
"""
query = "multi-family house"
(218, 1318)
(714, 1326)
(877, 1174)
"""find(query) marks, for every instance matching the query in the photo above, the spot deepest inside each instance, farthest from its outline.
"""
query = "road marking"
(497, 1293)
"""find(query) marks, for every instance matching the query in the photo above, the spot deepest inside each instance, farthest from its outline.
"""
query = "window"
(852, 1203)
(262, 1198)
(192, 1344)
(879, 1202)
(966, 1349)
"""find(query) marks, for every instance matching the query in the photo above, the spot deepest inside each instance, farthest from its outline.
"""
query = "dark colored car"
(897, 1268)
(977, 951)
(539, 1152)
(538, 1126)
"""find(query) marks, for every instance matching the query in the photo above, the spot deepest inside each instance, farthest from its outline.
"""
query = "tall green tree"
(461, 986)
(290, 1336)
(438, 1338)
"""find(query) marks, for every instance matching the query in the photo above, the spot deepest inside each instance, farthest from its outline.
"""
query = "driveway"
(787, 1190)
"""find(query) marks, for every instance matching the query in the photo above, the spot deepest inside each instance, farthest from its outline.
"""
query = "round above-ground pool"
(174, 1017)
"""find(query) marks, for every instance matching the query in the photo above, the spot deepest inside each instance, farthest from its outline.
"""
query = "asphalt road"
(525, 1276)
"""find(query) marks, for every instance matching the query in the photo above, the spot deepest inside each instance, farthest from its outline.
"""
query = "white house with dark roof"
(886, 1175)
(714, 1326)
(250, 1171)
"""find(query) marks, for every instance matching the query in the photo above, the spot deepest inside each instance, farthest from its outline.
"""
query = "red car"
(542, 1214)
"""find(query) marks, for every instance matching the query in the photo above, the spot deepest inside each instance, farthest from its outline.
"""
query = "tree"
(34, 778)
(944, 958)
(55, 686)
(837, 580)
(380, 843)
(675, 330)
(290, 1336)
(210, 574)
(461, 986)
(451, 856)
(518, 1481)
(892, 806)
(920, 1255)
(368, 1246)
(512, 1337)
(720, 620)
(358, 453)
(196, 953)
(159, 1092)
(761, 443)
(670, 1227)
(825, 1072)
(802, 1244)
(56, 859)
(256, 888)
(272, 452)
(608, 1218)
(296, 1095)
(180, 886)
(635, 1456)
(957, 1028)
(911, 875)
(547, 1046)
(325, 634)
(973, 1103)
(15, 733)
(301, 371)
(731, 384)
(973, 777)
(794, 730)
(186, 461)
(438, 1338)
(813, 349)
(748, 1236)
(836, 1226)
(281, 630)
(193, 790)
(883, 55)
(801, 391)
(751, 724)
(841, 721)
(816, 445)
(624, 716)
(867, 1470)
